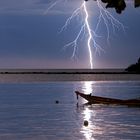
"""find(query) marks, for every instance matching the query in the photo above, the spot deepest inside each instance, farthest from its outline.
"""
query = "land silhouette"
(134, 68)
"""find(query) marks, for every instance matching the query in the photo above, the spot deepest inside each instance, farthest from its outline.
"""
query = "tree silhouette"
(119, 5)
(139, 61)
(135, 68)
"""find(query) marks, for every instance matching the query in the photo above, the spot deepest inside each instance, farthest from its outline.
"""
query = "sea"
(35, 109)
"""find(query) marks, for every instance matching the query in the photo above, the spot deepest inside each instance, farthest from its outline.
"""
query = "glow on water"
(28, 112)
(87, 131)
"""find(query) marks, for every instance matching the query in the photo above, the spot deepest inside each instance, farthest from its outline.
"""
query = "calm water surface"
(28, 111)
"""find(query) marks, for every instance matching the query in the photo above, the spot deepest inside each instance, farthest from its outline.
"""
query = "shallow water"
(28, 111)
(35, 78)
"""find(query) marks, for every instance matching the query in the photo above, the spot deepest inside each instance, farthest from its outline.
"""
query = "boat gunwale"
(104, 100)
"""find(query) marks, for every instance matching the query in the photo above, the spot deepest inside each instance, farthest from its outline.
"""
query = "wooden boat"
(104, 100)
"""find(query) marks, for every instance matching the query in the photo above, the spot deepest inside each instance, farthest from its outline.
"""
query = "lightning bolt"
(90, 35)
(107, 18)
(86, 29)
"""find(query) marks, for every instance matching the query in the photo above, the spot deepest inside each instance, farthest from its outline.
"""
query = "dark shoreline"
(35, 72)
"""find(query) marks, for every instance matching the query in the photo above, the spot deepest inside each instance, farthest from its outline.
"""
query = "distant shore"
(35, 72)
(35, 76)
(64, 71)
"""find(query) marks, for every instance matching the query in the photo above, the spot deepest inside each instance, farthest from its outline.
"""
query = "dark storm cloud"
(33, 7)
(27, 35)
(44, 1)
(21, 7)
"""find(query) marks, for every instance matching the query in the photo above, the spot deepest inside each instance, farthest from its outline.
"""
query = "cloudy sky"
(30, 38)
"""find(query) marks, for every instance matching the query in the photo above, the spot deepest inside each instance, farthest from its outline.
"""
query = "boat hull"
(104, 100)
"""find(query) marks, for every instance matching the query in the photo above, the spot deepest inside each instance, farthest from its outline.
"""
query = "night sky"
(30, 38)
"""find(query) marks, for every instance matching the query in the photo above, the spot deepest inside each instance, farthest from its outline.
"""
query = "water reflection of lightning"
(86, 30)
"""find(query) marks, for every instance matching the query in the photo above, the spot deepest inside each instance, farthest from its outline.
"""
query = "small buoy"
(85, 123)
(57, 102)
